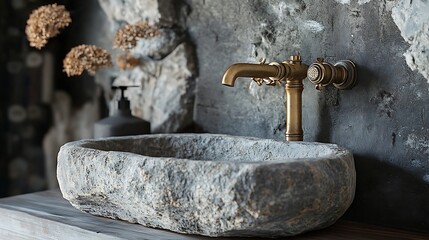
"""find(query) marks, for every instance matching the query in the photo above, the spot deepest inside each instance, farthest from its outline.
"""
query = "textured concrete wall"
(383, 120)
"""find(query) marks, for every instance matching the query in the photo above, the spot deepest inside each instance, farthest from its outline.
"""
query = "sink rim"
(336, 151)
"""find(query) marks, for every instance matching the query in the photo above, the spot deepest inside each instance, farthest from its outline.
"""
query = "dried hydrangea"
(86, 57)
(127, 37)
(46, 22)
(127, 61)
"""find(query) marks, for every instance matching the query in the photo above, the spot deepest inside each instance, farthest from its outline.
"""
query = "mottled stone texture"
(412, 18)
(213, 185)
(166, 95)
(167, 74)
(132, 11)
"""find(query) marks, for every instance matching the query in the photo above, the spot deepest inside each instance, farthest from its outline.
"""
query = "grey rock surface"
(167, 92)
(167, 75)
(214, 185)
(412, 19)
(159, 46)
(133, 11)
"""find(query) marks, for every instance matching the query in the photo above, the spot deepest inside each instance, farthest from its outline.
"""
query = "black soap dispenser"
(121, 123)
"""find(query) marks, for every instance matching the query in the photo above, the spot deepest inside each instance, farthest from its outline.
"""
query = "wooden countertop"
(46, 215)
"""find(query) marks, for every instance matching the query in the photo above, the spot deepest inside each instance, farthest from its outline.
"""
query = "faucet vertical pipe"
(294, 90)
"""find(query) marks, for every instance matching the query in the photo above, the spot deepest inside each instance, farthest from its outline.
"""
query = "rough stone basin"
(214, 185)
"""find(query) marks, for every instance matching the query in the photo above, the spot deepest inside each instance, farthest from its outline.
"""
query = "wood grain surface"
(46, 215)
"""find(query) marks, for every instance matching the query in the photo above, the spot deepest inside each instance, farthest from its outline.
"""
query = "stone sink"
(213, 185)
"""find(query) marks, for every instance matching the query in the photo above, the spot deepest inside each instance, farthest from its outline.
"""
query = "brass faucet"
(292, 71)
(342, 75)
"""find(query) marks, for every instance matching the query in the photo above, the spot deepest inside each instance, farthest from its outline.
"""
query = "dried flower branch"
(86, 57)
(127, 61)
(127, 37)
(46, 22)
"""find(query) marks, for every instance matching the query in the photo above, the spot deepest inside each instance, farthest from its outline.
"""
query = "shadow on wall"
(381, 191)
(330, 102)
(385, 194)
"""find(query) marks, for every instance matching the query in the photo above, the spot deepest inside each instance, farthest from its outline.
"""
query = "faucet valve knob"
(342, 74)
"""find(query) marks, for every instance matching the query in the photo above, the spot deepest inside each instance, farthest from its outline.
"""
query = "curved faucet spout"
(248, 70)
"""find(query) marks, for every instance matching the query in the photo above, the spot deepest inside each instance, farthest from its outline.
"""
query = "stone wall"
(166, 76)
(383, 120)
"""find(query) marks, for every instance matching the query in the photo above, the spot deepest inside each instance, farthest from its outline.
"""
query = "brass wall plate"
(348, 80)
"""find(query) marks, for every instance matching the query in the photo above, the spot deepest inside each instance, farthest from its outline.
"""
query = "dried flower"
(86, 57)
(127, 61)
(127, 37)
(46, 22)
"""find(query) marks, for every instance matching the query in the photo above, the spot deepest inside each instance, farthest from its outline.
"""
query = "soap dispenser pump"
(121, 122)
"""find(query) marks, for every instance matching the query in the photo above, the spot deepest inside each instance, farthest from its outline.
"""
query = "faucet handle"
(258, 81)
(267, 81)
(341, 74)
